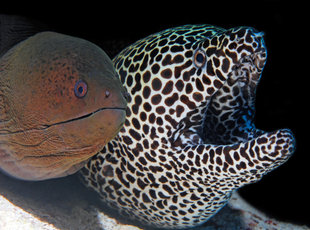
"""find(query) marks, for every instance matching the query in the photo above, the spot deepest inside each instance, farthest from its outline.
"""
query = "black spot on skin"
(129, 80)
(156, 169)
(153, 131)
(153, 193)
(145, 198)
(146, 76)
(199, 85)
(146, 129)
(150, 46)
(154, 53)
(186, 101)
(146, 144)
(216, 62)
(219, 161)
(163, 42)
(236, 156)
(241, 33)
(164, 49)
(136, 192)
(133, 68)
(149, 157)
(197, 97)
(146, 92)
(142, 160)
(130, 178)
(214, 41)
(168, 88)
(123, 75)
(169, 119)
(156, 84)
(178, 59)
(210, 51)
(138, 57)
(163, 179)
(262, 140)
(138, 100)
(232, 55)
(168, 189)
(137, 87)
(194, 197)
(176, 49)
(154, 145)
(135, 135)
(228, 158)
(232, 46)
(160, 110)
(147, 107)
(210, 70)
(179, 110)
(166, 73)
(135, 109)
(166, 60)
(128, 112)
(180, 40)
(144, 63)
(115, 185)
(217, 84)
(210, 90)
(245, 47)
(156, 99)
(206, 80)
(188, 88)
(127, 140)
(155, 68)
(159, 203)
(171, 100)
(179, 85)
(220, 75)
(135, 123)
(127, 62)
(141, 184)
(225, 65)
(152, 118)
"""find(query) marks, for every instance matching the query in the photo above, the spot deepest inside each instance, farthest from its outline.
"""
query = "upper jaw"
(249, 67)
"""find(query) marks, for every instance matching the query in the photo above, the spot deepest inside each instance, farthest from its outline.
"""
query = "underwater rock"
(66, 204)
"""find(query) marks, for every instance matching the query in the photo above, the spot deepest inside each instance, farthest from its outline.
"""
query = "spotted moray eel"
(189, 140)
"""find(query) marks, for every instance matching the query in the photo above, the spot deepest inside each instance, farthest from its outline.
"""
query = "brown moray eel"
(60, 102)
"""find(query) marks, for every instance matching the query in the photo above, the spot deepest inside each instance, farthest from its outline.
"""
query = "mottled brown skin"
(46, 131)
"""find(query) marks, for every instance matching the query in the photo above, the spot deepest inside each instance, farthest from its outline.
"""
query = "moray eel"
(189, 139)
(60, 102)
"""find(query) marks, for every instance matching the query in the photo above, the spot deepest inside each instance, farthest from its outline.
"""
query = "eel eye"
(199, 58)
(80, 88)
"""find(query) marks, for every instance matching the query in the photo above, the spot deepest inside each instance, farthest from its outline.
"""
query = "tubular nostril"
(126, 95)
(259, 34)
(107, 94)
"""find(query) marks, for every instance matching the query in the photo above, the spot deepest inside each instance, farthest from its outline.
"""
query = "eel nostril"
(107, 94)
(126, 95)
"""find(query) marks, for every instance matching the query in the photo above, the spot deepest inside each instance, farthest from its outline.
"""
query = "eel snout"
(229, 128)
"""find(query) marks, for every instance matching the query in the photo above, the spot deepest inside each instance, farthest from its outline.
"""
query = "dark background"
(281, 96)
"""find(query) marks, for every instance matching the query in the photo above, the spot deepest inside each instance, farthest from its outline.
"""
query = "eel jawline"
(82, 117)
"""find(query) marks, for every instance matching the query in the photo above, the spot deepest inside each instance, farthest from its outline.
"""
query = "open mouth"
(229, 116)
